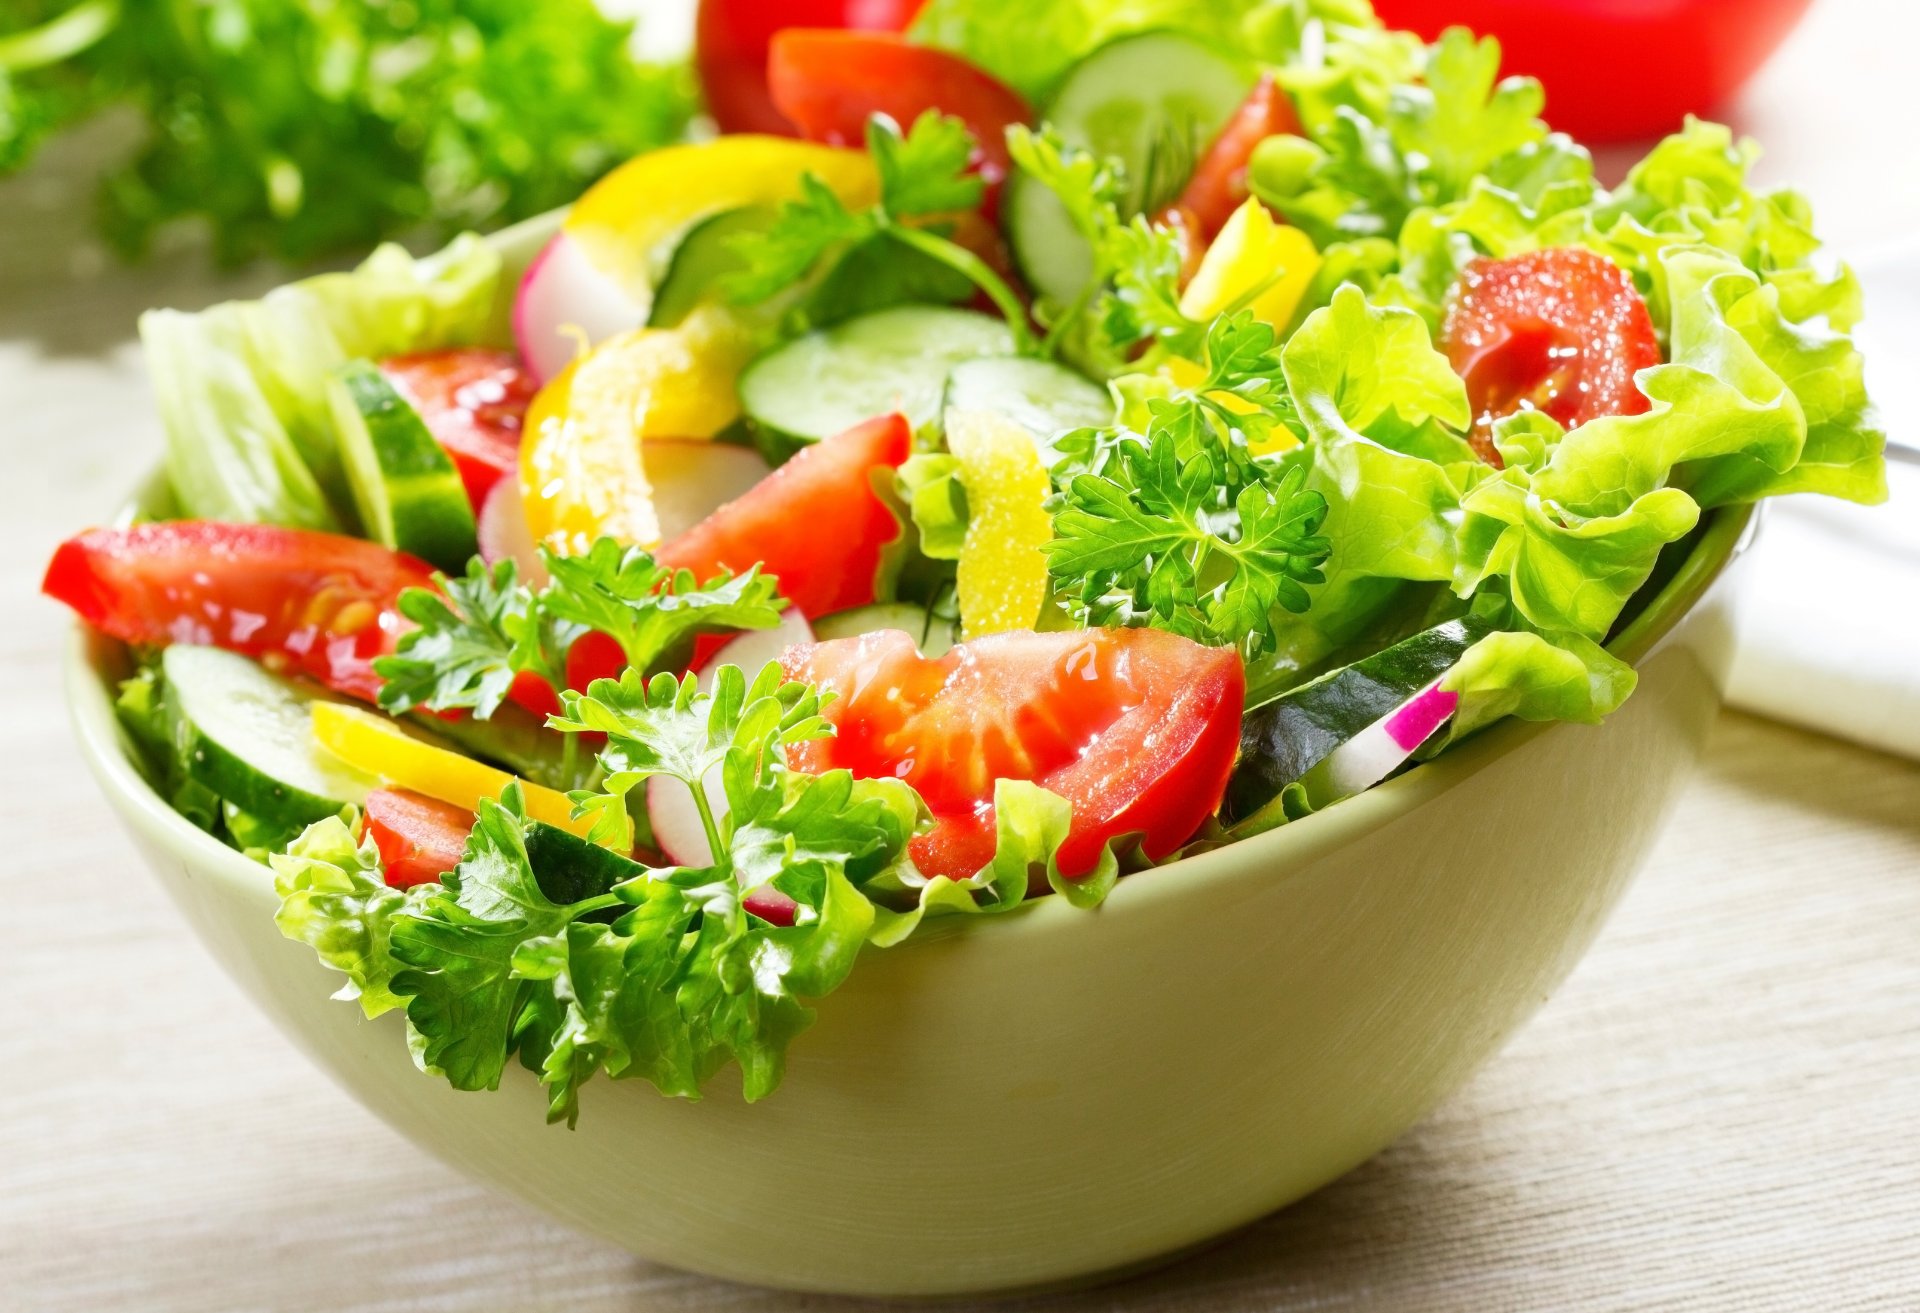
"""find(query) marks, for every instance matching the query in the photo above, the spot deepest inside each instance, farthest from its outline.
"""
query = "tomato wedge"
(730, 49)
(830, 83)
(474, 401)
(419, 838)
(1218, 186)
(816, 524)
(1135, 727)
(315, 604)
(1561, 331)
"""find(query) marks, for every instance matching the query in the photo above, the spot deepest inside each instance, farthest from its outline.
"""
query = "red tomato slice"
(315, 604)
(1218, 186)
(1687, 56)
(830, 83)
(1135, 727)
(474, 401)
(419, 838)
(730, 49)
(1561, 331)
(816, 524)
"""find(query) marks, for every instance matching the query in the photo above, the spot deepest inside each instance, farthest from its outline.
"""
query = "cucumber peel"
(246, 734)
(404, 484)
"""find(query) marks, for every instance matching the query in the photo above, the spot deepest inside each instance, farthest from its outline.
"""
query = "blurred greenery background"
(302, 129)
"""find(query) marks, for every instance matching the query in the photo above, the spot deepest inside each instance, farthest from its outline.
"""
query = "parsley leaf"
(460, 948)
(477, 632)
(1132, 292)
(925, 171)
(469, 640)
(653, 611)
(923, 177)
(808, 228)
(1183, 527)
(813, 838)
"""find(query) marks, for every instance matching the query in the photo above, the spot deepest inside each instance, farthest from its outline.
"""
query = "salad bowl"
(1058, 1095)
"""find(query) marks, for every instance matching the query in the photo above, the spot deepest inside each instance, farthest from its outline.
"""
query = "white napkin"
(1830, 608)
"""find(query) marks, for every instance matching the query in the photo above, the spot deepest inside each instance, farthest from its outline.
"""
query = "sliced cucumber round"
(933, 632)
(408, 492)
(1041, 397)
(702, 256)
(1155, 101)
(247, 735)
(893, 360)
(1281, 742)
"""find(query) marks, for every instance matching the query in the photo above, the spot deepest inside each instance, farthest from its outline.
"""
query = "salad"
(1086, 439)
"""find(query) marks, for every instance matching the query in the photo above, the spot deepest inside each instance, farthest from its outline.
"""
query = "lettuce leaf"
(1030, 824)
(1760, 393)
(1534, 677)
(241, 386)
(334, 899)
(1383, 412)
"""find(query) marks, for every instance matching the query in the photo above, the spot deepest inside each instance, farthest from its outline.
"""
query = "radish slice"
(563, 298)
(504, 534)
(1376, 751)
(675, 819)
(754, 648)
(677, 830)
(692, 479)
(678, 833)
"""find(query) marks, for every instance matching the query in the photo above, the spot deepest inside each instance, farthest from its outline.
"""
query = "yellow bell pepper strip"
(628, 222)
(582, 468)
(1002, 577)
(1254, 250)
(377, 746)
(582, 471)
(1256, 257)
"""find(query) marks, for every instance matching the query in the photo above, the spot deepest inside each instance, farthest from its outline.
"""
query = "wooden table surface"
(1719, 1111)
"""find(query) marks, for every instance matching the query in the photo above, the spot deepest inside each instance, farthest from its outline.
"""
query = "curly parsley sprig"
(475, 634)
(924, 182)
(1183, 527)
(529, 950)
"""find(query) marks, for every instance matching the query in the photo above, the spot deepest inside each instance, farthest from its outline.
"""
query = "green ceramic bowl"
(1053, 1095)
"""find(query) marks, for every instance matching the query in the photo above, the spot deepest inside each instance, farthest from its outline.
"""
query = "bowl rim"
(1727, 533)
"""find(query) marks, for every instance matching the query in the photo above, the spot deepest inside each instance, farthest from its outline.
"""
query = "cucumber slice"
(406, 488)
(1284, 740)
(247, 735)
(934, 633)
(893, 360)
(1155, 100)
(702, 256)
(1041, 397)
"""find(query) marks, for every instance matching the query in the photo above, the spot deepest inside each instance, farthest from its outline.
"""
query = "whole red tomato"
(1615, 70)
(730, 49)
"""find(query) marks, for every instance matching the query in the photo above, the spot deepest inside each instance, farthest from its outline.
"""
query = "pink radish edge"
(1415, 722)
